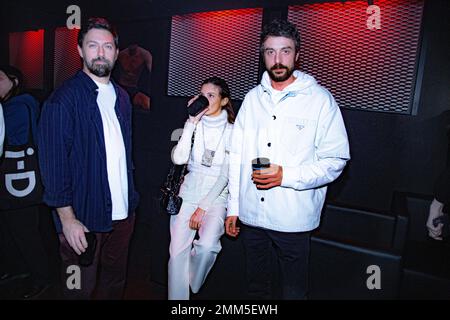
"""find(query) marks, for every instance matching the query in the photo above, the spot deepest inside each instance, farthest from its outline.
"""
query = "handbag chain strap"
(183, 170)
(170, 176)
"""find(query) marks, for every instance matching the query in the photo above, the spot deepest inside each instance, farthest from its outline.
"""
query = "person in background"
(296, 124)
(204, 191)
(23, 246)
(439, 206)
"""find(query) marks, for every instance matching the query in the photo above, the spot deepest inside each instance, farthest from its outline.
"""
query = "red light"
(26, 52)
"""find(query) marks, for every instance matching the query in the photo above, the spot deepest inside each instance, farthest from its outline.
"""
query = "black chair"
(347, 244)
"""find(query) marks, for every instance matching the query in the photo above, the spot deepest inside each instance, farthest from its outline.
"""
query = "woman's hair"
(224, 93)
(16, 77)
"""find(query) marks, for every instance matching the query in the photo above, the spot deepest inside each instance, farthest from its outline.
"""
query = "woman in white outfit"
(204, 191)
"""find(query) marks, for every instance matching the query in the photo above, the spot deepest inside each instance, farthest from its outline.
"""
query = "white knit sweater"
(200, 176)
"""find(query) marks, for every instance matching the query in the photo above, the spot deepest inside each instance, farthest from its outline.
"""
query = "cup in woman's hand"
(198, 105)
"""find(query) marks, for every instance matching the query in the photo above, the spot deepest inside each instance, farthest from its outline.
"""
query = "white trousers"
(191, 260)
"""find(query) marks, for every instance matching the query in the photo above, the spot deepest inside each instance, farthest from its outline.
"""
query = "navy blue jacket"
(72, 152)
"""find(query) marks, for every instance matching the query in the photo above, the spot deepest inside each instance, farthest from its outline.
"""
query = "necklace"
(208, 155)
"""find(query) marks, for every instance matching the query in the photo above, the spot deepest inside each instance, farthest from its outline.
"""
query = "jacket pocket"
(298, 134)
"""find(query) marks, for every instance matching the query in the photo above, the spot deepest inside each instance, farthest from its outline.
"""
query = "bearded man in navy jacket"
(87, 171)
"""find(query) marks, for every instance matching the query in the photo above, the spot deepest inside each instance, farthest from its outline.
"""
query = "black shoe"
(8, 277)
(35, 291)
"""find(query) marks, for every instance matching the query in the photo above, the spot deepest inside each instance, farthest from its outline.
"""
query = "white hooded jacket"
(300, 128)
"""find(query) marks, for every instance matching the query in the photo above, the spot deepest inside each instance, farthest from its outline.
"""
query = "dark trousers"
(292, 254)
(105, 278)
(24, 246)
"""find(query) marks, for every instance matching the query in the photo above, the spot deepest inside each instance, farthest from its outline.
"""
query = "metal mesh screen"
(364, 69)
(26, 52)
(67, 61)
(221, 43)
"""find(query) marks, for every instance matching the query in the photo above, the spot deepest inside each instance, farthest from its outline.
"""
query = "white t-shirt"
(116, 162)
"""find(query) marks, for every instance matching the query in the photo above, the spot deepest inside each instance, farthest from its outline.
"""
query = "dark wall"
(389, 152)
(398, 152)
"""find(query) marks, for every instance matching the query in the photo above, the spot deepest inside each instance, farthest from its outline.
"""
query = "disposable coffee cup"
(198, 105)
(260, 163)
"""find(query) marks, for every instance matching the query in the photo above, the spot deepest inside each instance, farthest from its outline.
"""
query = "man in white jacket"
(295, 123)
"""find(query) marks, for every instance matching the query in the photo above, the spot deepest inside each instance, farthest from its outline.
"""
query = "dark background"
(389, 152)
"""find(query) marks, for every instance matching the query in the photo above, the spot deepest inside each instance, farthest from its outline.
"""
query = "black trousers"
(24, 245)
(292, 256)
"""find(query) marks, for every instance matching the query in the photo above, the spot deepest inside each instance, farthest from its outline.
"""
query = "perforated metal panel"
(364, 69)
(67, 61)
(222, 43)
(26, 52)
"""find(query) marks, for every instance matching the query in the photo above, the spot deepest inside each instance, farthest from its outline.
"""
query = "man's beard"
(101, 69)
(284, 77)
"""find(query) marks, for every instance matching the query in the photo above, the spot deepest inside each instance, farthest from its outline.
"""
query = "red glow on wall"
(365, 68)
(26, 52)
(223, 43)
(210, 29)
(66, 57)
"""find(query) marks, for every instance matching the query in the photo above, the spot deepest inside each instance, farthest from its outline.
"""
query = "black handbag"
(20, 179)
(170, 200)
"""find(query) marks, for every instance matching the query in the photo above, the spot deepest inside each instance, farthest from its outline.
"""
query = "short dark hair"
(97, 23)
(280, 28)
(13, 74)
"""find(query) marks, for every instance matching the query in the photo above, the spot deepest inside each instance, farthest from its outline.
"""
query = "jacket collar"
(90, 84)
(302, 84)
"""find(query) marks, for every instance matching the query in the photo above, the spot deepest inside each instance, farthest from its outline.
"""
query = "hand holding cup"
(266, 175)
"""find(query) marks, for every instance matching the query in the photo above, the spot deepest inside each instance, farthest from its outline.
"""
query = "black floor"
(139, 283)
